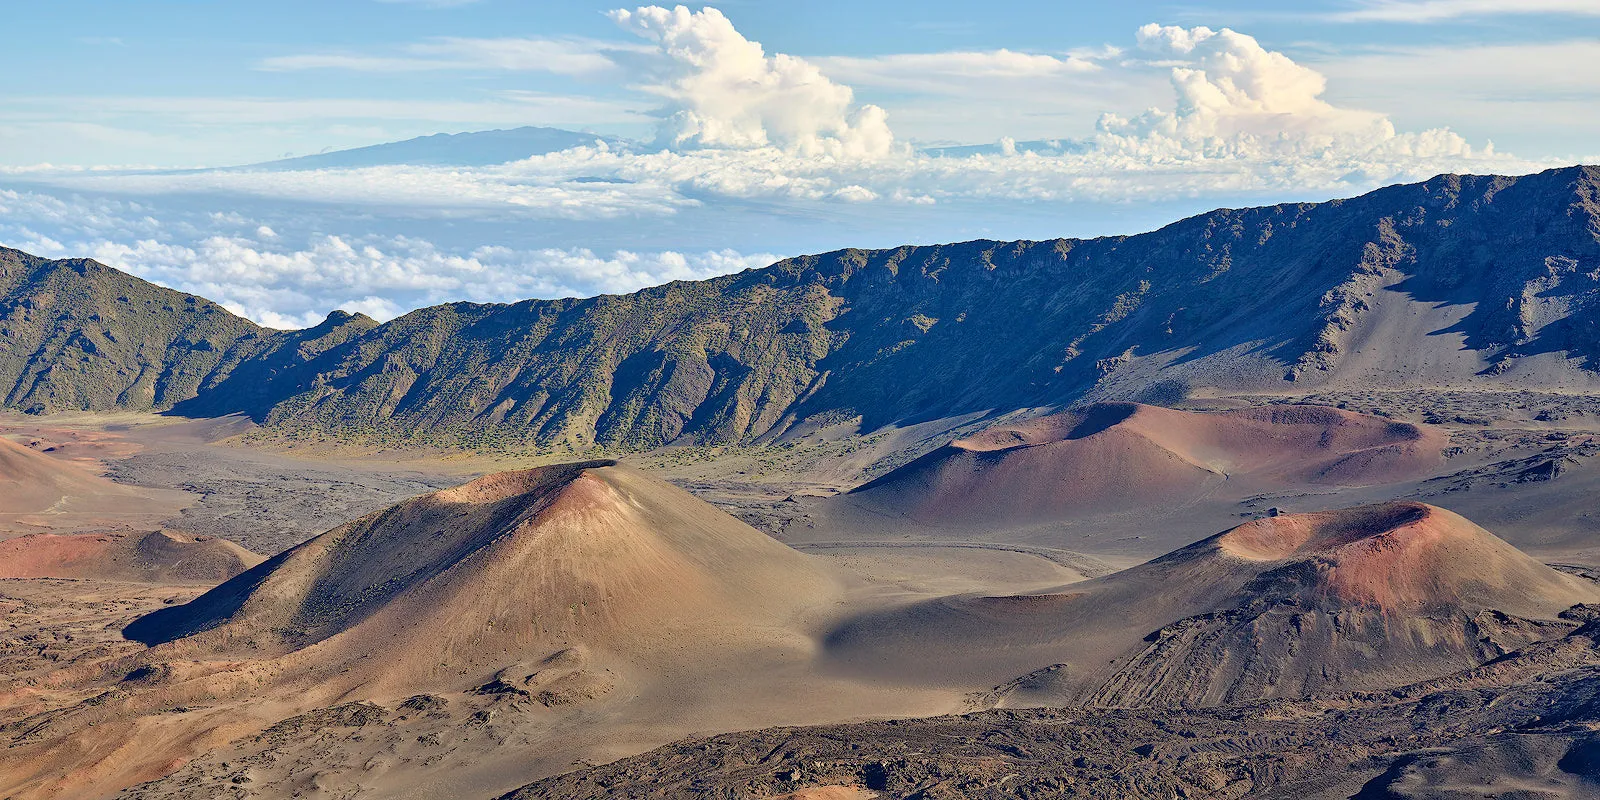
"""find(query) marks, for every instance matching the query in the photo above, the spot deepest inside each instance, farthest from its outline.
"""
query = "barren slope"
(39, 491)
(1120, 456)
(164, 556)
(1368, 598)
(510, 567)
(584, 609)
(1477, 736)
(32, 482)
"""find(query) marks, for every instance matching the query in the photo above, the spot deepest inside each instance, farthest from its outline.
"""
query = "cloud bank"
(287, 281)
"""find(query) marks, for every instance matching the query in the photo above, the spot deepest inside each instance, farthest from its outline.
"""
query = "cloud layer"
(578, 57)
(291, 281)
(1438, 10)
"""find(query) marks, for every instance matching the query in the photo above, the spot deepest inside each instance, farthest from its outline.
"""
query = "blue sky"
(761, 129)
(75, 53)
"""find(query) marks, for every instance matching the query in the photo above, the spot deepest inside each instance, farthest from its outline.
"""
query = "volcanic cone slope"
(1119, 456)
(1363, 598)
(164, 556)
(510, 567)
(33, 483)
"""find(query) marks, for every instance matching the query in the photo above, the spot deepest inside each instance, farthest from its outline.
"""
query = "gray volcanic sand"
(1519, 464)
(183, 475)
(265, 501)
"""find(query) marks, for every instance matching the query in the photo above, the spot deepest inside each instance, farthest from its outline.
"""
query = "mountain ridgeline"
(78, 335)
(1458, 281)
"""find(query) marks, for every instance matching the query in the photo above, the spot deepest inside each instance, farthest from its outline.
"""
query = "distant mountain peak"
(469, 149)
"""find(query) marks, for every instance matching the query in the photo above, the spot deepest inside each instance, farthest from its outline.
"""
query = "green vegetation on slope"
(76, 335)
(1233, 300)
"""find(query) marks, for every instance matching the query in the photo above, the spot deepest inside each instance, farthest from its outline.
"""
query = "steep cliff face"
(1461, 280)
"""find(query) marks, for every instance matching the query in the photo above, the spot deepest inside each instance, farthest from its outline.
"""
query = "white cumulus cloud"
(723, 90)
(929, 71)
(1237, 99)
